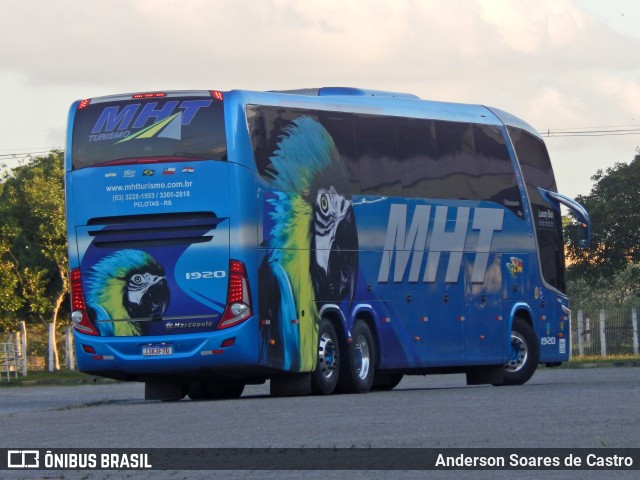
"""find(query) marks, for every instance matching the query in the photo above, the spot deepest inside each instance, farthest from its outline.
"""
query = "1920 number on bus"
(207, 274)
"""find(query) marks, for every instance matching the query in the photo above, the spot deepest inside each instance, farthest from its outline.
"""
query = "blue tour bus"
(323, 239)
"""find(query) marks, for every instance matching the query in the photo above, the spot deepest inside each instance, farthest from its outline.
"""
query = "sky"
(560, 65)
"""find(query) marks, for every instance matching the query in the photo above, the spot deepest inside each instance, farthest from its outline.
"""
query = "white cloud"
(532, 26)
(552, 62)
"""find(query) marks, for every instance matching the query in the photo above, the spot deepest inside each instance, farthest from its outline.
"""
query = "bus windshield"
(123, 129)
(537, 173)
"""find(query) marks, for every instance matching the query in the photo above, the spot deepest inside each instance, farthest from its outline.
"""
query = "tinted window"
(396, 156)
(189, 127)
(537, 172)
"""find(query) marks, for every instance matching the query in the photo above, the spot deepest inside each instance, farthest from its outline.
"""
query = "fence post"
(23, 330)
(19, 353)
(580, 333)
(603, 338)
(69, 347)
(5, 355)
(52, 339)
(634, 322)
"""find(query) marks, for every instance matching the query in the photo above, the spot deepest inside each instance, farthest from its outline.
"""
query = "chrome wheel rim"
(362, 357)
(519, 353)
(327, 356)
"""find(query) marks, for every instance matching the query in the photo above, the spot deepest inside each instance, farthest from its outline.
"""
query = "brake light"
(79, 316)
(149, 95)
(238, 297)
(217, 94)
(84, 103)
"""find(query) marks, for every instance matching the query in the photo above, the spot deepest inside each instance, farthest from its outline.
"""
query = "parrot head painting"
(128, 284)
(313, 243)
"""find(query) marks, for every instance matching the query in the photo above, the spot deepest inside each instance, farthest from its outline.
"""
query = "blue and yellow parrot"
(128, 284)
(312, 257)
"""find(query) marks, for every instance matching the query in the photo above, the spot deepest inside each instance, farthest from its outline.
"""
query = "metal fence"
(602, 332)
(11, 360)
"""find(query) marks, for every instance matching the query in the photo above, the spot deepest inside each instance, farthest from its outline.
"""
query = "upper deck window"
(400, 156)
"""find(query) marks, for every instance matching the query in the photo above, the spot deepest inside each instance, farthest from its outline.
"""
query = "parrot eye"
(324, 203)
(137, 279)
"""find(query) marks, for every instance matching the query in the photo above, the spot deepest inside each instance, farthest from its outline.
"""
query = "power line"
(634, 125)
(599, 131)
(23, 154)
(607, 131)
(28, 149)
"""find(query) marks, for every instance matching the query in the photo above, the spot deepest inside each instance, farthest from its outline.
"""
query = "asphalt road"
(558, 408)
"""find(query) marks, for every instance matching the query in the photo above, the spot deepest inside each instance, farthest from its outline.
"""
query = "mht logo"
(115, 123)
(403, 244)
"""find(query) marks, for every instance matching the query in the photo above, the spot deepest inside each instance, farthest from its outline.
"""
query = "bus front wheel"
(524, 354)
(357, 368)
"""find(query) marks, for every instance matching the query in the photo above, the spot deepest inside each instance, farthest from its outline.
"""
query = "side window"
(266, 125)
(456, 161)
(418, 155)
(340, 127)
(497, 180)
(377, 152)
(474, 164)
(397, 156)
(295, 152)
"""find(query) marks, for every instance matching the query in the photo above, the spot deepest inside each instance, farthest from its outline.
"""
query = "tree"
(622, 290)
(33, 243)
(615, 220)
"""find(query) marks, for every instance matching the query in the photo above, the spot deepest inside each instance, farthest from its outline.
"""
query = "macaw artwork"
(312, 243)
(127, 284)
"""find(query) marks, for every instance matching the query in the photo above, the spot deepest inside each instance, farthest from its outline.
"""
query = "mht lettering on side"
(403, 244)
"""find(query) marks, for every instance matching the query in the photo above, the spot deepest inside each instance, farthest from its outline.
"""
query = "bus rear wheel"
(325, 377)
(386, 381)
(357, 368)
(524, 355)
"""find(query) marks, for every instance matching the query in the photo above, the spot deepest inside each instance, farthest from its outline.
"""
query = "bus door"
(444, 281)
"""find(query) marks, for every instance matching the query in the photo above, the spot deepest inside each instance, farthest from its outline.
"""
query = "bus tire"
(357, 369)
(325, 377)
(524, 355)
(386, 381)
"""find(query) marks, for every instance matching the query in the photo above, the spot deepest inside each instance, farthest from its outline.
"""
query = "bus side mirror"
(582, 239)
(583, 231)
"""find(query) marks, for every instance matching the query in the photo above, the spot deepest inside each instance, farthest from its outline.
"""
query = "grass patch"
(608, 361)
(60, 377)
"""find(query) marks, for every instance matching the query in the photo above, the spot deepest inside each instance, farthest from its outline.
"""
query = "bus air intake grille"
(154, 230)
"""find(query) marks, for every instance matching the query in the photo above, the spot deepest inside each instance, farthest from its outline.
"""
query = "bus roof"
(347, 99)
(350, 99)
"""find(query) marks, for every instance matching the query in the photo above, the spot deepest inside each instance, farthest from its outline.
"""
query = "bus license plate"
(156, 350)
